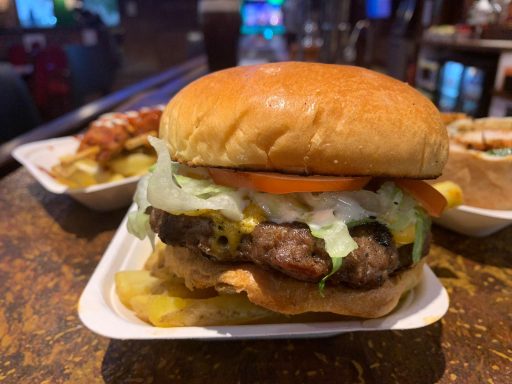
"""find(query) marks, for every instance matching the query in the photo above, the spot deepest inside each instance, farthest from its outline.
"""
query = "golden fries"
(114, 146)
(88, 152)
(138, 141)
(132, 164)
(133, 283)
(82, 170)
(162, 299)
(166, 311)
(169, 303)
(451, 192)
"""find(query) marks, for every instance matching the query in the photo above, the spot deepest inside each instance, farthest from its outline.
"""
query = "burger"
(297, 184)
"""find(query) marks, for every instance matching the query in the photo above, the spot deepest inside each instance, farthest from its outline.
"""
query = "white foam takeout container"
(40, 156)
(473, 221)
(101, 311)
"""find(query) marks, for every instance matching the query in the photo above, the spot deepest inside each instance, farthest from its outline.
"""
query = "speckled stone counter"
(50, 245)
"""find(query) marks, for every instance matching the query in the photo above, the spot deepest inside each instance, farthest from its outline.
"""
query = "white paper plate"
(39, 157)
(101, 311)
(473, 221)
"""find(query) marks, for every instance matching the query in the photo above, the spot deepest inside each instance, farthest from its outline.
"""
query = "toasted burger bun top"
(306, 118)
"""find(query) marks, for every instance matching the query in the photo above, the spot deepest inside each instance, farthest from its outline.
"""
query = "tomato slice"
(429, 197)
(276, 183)
(280, 184)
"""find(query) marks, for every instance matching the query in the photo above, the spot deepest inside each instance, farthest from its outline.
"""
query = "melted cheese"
(405, 236)
(228, 233)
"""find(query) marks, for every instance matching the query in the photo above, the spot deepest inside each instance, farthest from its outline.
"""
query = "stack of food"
(287, 188)
(114, 147)
(480, 161)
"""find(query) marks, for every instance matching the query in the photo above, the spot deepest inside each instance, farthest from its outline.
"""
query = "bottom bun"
(282, 294)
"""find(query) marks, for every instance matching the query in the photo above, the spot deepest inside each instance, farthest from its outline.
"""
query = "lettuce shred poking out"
(138, 221)
(338, 243)
(421, 232)
(177, 194)
(329, 215)
(182, 194)
(398, 209)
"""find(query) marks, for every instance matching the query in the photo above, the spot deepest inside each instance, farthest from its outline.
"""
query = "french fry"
(451, 192)
(175, 287)
(165, 311)
(111, 140)
(87, 165)
(132, 164)
(162, 299)
(141, 282)
(134, 283)
(63, 171)
(82, 179)
(151, 308)
(138, 141)
(69, 159)
(81, 173)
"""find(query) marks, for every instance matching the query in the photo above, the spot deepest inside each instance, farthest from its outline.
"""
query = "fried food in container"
(114, 147)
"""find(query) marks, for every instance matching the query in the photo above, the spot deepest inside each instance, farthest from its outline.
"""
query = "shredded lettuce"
(138, 224)
(338, 243)
(138, 221)
(421, 232)
(199, 187)
(403, 212)
(324, 215)
(141, 195)
(174, 193)
(329, 215)
(181, 194)
(398, 209)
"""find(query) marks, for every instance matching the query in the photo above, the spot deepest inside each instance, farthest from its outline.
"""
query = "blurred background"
(58, 55)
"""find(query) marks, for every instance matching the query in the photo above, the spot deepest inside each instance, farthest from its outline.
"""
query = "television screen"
(451, 79)
(36, 13)
(260, 16)
(378, 9)
(49, 13)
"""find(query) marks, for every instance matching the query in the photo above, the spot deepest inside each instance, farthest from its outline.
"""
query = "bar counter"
(50, 246)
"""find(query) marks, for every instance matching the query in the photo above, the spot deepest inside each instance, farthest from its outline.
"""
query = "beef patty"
(291, 249)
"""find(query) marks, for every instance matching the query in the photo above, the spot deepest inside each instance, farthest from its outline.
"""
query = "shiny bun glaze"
(306, 118)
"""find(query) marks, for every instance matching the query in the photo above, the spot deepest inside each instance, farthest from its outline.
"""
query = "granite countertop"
(50, 245)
